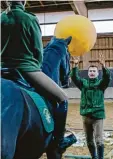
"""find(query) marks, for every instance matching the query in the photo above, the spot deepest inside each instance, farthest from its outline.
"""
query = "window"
(48, 29)
(103, 26)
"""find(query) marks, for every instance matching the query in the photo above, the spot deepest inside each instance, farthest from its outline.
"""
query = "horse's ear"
(68, 40)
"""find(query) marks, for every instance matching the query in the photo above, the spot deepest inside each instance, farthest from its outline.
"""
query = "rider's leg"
(60, 121)
(50, 90)
(99, 138)
(89, 132)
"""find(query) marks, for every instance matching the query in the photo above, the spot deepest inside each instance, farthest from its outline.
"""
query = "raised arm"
(106, 73)
(78, 81)
(105, 78)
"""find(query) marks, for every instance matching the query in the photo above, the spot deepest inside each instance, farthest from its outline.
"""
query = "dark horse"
(56, 63)
(23, 133)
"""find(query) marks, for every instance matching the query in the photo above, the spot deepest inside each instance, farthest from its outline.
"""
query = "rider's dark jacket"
(21, 41)
(92, 93)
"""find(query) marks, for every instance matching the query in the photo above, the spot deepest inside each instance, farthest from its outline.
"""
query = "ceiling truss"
(79, 7)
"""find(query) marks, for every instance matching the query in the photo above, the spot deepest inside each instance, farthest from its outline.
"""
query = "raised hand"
(74, 61)
(102, 59)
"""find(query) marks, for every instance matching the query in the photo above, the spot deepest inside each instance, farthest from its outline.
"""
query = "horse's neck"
(51, 64)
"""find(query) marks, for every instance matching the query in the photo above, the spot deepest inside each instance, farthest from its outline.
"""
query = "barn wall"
(104, 45)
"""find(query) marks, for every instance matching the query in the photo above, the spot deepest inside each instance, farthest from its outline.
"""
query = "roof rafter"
(80, 7)
(41, 3)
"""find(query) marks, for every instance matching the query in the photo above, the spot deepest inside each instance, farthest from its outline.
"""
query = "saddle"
(15, 75)
(40, 102)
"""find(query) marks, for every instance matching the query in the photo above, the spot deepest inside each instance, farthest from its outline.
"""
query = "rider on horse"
(22, 49)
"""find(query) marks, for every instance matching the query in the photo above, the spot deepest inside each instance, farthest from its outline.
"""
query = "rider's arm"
(36, 39)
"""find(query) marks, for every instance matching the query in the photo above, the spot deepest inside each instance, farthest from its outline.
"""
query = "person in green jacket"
(22, 49)
(92, 104)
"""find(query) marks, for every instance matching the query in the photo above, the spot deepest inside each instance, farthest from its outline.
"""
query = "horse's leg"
(53, 154)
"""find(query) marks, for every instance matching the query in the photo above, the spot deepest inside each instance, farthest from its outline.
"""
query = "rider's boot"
(60, 122)
(92, 150)
(100, 151)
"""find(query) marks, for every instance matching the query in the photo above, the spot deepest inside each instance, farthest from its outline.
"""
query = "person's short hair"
(93, 66)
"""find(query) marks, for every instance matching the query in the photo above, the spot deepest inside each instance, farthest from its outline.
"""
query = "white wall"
(95, 14)
(53, 17)
(104, 26)
(74, 93)
(100, 14)
(48, 30)
(106, 15)
(101, 27)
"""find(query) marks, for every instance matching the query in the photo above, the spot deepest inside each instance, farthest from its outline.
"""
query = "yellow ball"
(82, 31)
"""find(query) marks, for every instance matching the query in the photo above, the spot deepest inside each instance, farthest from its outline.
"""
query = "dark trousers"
(94, 136)
(93, 130)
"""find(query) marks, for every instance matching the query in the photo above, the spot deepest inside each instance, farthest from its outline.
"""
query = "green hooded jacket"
(21, 40)
(92, 93)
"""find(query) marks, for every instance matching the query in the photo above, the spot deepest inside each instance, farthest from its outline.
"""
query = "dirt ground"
(74, 120)
(74, 123)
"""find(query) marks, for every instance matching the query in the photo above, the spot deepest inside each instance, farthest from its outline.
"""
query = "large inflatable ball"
(82, 31)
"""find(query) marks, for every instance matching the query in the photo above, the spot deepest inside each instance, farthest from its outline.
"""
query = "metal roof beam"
(80, 7)
(41, 3)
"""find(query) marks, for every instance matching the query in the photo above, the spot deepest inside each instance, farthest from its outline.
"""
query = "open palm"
(74, 61)
(101, 59)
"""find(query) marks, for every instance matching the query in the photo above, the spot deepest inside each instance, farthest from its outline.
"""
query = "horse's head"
(65, 71)
(56, 60)
(60, 45)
